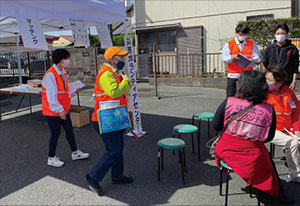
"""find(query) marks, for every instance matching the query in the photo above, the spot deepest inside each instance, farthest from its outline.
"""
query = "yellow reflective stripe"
(279, 113)
(287, 113)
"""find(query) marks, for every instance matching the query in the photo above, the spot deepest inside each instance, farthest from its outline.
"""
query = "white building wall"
(219, 18)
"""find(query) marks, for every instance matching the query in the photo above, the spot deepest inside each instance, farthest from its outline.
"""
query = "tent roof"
(55, 14)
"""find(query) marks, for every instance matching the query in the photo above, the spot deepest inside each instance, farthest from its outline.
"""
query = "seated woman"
(241, 146)
(287, 110)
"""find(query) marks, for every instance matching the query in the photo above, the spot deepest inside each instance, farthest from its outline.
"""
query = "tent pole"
(19, 58)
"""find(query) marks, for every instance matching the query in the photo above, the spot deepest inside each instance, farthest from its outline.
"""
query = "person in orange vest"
(111, 85)
(230, 51)
(287, 108)
(56, 102)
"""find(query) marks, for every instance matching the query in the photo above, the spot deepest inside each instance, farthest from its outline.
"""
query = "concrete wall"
(219, 18)
(84, 66)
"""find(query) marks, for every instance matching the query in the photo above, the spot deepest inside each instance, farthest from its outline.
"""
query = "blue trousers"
(112, 157)
(55, 124)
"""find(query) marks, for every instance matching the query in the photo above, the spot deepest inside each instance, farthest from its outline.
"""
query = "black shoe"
(124, 180)
(94, 185)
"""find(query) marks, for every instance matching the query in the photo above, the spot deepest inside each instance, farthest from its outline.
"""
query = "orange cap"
(112, 51)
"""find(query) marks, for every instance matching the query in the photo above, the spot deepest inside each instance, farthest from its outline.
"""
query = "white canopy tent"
(54, 15)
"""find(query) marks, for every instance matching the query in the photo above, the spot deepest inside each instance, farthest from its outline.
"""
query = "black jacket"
(287, 56)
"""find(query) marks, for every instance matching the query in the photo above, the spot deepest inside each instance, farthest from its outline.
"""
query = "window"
(264, 17)
(166, 41)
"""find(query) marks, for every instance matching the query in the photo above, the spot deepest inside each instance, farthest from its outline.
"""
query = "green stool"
(204, 115)
(172, 144)
(188, 129)
(223, 165)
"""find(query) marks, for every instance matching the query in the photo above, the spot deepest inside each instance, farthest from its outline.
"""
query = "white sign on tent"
(32, 33)
(80, 34)
(104, 35)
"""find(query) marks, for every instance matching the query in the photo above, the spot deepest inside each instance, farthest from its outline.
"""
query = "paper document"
(242, 61)
(73, 86)
(292, 135)
(109, 104)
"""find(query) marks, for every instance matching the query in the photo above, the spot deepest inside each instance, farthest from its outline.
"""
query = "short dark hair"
(279, 74)
(243, 28)
(252, 86)
(283, 27)
(60, 54)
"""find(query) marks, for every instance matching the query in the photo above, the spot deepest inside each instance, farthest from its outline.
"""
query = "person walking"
(56, 102)
(111, 86)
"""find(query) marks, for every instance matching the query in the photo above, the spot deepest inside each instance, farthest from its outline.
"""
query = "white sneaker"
(78, 155)
(55, 162)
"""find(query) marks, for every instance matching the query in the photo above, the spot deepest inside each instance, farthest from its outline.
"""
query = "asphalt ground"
(26, 179)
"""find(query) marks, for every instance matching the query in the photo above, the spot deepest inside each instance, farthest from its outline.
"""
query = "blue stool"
(172, 144)
(188, 129)
(223, 165)
(204, 115)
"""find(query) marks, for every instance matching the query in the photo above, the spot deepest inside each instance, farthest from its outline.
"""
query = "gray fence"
(32, 63)
(183, 64)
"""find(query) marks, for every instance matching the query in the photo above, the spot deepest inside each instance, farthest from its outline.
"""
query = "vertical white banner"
(32, 33)
(104, 35)
(80, 34)
(134, 98)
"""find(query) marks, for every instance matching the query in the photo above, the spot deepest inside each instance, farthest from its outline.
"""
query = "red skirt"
(250, 160)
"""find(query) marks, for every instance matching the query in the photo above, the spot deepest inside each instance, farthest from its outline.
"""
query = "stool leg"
(208, 128)
(179, 134)
(221, 178)
(198, 137)
(184, 160)
(181, 162)
(199, 127)
(227, 186)
(158, 171)
(193, 147)
(0, 115)
(162, 159)
(193, 120)
(173, 137)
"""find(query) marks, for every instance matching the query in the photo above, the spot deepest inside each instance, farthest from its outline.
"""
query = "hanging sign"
(104, 35)
(32, 33)
(80, 34)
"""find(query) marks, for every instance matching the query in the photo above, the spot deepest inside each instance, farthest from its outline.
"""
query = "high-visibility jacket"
(62, 94)
(287, 109)
(234, 49)
(101, 96)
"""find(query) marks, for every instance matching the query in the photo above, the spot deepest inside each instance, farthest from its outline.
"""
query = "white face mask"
(65, 63)
(241, 38)
(280, 38)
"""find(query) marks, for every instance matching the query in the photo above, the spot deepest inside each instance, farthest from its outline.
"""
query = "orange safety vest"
(282, 106)
(101, 96)
(234, 49)
(62, 94)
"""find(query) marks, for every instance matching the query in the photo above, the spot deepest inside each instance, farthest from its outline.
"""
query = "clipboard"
(243, 61)
(113, 119)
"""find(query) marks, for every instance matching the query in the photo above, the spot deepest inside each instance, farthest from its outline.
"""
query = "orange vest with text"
(234, 49)
(101, 96)
(286, 106)
(62, 94)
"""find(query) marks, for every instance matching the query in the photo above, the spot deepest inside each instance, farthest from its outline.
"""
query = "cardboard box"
(80, 116)
(35, 82)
